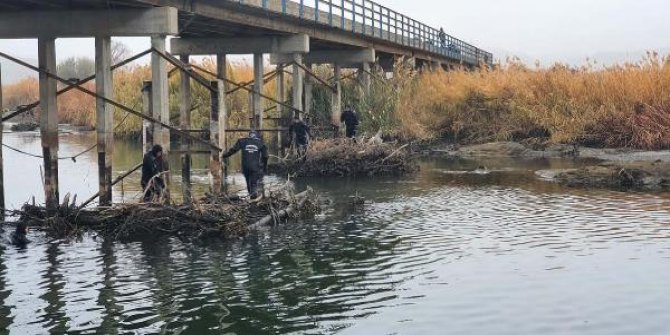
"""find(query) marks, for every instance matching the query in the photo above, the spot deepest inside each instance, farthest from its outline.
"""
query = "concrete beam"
(241, 45)
(346, 58)
(46, 54)
(88, 23)
(104, 117)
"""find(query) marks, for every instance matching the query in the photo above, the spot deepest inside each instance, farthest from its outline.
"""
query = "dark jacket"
(254, 154)
(349, 118)
(151, 166)
(301, 131)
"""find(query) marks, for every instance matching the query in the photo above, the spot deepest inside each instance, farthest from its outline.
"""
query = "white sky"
(546, 30)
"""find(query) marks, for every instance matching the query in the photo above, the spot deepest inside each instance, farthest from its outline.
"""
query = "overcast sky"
(546, 30)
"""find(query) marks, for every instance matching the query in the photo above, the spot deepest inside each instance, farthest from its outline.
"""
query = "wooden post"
(222, 73)
(215, 166)
(49, 120)
(336, 101)
(185, 124)
(2, 166)
(258, 90)
(104, 117)
(309, 91)
(147, 127)
(298, 81)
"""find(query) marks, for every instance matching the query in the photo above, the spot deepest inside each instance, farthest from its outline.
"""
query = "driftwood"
(346, 157)
(210, 217)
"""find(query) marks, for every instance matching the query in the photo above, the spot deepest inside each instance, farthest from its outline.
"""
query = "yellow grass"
(623, 106)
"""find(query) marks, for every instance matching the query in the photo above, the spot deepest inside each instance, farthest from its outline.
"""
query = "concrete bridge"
(296, 33)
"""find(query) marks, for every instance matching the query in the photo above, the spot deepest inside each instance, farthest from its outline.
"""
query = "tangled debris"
(346, 157)
(211, 217)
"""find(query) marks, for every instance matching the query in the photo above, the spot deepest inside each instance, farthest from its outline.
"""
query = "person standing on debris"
(254, 161)
(299, 131)
(350, 119)
(152, 167)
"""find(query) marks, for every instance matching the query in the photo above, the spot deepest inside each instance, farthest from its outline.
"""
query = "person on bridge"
(350, 119)
(300, 131)
(254, 161)
(443, 38)
(152, 170)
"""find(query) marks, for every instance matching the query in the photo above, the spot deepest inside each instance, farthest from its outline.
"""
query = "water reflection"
(450, 250)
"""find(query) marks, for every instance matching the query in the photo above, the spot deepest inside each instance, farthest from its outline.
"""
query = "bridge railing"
(369, 18)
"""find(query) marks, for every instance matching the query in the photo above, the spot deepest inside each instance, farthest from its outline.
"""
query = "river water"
(446, 251)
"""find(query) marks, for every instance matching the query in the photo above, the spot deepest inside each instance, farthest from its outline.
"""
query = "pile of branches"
(346, 157)
(210, 217)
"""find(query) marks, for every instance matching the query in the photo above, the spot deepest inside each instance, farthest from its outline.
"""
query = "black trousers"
(254, 180)
(351, 132)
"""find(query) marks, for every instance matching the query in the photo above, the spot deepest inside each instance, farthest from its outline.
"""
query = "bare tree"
(120, 52)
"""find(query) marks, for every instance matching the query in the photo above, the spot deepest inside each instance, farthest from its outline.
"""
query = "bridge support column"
(222, 73)
(309, 94)
(216, 136)
(104, 117)
(365, 77)
(2, 167)
(160, 100)
(49, 119)
(185, 124)
(298, 82)
(336, 101)
(147, 127)
(280, 95)
(258, 90)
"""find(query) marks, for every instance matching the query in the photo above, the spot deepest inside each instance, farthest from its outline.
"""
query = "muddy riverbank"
(613, 168)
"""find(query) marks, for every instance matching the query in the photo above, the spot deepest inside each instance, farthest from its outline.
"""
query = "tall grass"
(619, 106)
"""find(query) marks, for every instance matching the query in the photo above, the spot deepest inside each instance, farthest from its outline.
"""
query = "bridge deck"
(330, 23)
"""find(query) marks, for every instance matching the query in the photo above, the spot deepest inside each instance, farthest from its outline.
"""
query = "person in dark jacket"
(152, 166)
(18, 237)
(300, 132)
(350, 120)
(254, 161)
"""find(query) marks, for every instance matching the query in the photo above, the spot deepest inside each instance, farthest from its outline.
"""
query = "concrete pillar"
(309, 91)
(185, 124)
(366, 77)
(160, 101)
(222, 72)
(46, 55)
(258, 90)
(159, 98)
(215, 167)
(2, 167)
(298, 82)
(147, 126)
(104, 117)
(336, 101)
(281, 97)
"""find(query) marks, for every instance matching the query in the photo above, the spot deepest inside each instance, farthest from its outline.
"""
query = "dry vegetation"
(620, 106)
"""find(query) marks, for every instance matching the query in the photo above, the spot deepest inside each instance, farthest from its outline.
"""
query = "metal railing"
(371, 19)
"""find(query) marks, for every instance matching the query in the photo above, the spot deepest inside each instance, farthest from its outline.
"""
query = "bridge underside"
(214, 18)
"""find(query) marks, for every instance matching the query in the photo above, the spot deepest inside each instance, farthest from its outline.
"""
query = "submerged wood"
(211, 217)
(346, 157)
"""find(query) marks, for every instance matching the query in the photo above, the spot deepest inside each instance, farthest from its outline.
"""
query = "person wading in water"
(254, 161)
(152, 167)
(300, 131)
(350, 119)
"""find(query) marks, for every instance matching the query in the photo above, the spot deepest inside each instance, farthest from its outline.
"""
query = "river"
(446, 251)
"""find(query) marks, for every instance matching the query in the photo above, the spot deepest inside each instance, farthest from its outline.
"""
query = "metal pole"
(49, 119)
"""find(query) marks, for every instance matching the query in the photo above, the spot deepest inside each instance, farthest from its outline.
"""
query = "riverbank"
(612, 168)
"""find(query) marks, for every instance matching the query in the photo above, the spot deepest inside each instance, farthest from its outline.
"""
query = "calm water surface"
(442, 252)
